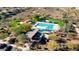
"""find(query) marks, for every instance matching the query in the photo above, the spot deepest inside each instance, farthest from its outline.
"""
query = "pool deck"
(56, 27)
(42, 23)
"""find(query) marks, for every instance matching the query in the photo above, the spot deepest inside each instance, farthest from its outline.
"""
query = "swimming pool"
(44, 26)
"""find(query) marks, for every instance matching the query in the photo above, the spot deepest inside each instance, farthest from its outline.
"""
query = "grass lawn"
(57, 21)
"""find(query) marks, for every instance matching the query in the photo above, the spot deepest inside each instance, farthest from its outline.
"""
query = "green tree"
(25, 27)
(14, 23)
(21, 28)
(35, 18)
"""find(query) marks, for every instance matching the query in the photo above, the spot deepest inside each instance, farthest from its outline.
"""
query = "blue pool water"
(45, 26)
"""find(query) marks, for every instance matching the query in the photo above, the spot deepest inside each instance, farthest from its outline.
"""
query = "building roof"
(31, 34)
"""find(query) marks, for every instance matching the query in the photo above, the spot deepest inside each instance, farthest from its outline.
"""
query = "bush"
(21, 38)
(52, 45)
(52, 36)
(3, 35)
(72, 46)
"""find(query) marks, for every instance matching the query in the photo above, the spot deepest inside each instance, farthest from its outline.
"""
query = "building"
(34, 35)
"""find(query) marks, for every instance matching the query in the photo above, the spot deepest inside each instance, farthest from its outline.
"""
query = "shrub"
(21, 38)
(52, 45)
(52, 36)
(3, 35)
(72, 46)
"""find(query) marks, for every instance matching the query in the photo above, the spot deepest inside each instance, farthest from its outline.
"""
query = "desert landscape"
(39, 29)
